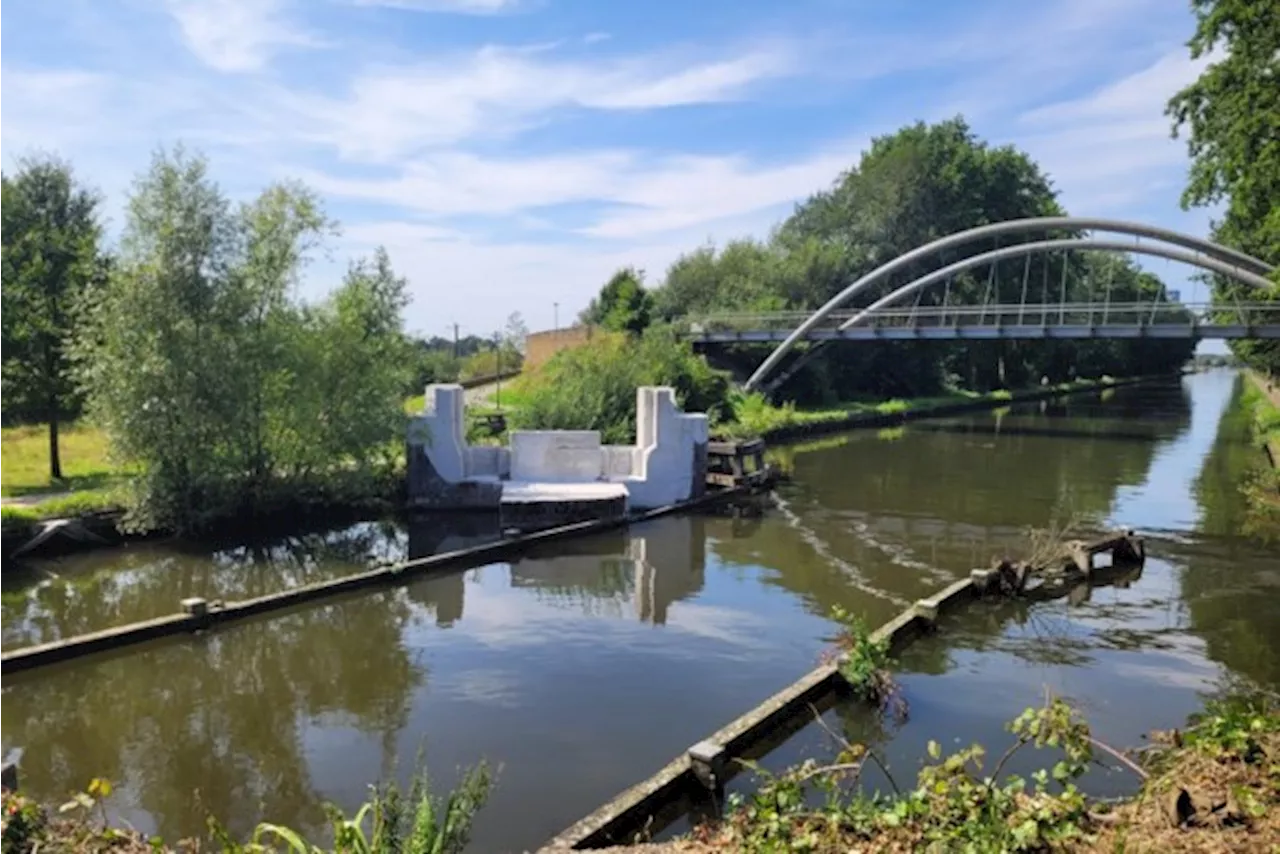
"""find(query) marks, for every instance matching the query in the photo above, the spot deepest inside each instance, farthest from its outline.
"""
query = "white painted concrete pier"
(555, 469)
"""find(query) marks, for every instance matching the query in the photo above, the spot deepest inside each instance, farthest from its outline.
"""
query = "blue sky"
(511, 154)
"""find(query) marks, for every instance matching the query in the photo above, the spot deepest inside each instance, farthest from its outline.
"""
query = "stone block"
(709, 760)
(926, 609)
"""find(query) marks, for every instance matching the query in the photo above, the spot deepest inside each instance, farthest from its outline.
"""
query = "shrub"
(594, 387)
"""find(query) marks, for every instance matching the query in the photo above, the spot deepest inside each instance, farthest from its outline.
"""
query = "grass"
(22, 519)
(755, 416)
(24, 460)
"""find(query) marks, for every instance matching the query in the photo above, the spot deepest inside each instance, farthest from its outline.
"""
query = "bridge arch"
(1206, 255)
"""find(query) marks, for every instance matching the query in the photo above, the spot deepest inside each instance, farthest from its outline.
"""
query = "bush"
(594, 387)
(487, 363)
(210, 377)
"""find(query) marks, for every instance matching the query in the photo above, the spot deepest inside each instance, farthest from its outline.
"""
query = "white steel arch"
(1208, 255)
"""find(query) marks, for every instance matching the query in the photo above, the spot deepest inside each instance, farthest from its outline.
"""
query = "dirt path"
(29, 500)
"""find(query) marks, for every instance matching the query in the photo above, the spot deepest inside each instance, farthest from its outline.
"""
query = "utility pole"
(555, 313)
(497, 364)
(455, 340)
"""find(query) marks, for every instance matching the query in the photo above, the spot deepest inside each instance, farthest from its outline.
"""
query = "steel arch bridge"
(891, 318)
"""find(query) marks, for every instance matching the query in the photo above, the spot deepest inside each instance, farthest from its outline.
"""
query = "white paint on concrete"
(519, 492)
(656, 471)
(556, 456)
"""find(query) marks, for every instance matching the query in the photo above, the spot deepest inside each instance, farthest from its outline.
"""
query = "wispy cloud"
(523, 172)
(460, 7)
(391, 112)
(236, 35)
(1111, 147)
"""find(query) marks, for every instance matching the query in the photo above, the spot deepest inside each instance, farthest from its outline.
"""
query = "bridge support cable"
(1233, 259)
(1022, 303)
(1095, 244)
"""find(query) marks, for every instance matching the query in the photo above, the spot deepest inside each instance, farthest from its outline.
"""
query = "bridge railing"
(1084, 314)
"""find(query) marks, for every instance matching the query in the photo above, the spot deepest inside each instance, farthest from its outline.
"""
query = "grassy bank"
(1262, 397)
(754, 416)
(24, 460)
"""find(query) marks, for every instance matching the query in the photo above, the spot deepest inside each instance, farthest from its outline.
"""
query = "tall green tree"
(911, 187)
(227, 393)
(50, 256)
(623, 304)
(1231, 118)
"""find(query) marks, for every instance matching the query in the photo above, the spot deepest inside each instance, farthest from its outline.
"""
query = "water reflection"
(258, 717)
(586, 665)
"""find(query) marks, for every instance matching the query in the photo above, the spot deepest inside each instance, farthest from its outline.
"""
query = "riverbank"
(1207, 787)
(755, 417)
(1260, 403)
(97, 511)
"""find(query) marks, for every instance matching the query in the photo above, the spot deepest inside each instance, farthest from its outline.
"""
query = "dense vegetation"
(50, 257)
(219, 390)
(921, 183)
(1231, 117)
(594, 387)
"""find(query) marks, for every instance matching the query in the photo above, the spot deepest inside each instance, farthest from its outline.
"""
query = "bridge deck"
(951, 333)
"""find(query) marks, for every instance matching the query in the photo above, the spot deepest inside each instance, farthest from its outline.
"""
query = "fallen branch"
(1116, 754)
(867, 752)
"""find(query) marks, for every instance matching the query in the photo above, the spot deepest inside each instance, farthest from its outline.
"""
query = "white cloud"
(1111, 149)
(1140, 94)
(236, 35)
(428, 156)
(643, 195)
(462, 7)
(391, 112)
(58, 99)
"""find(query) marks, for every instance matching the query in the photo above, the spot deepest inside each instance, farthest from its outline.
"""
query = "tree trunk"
(55, 460)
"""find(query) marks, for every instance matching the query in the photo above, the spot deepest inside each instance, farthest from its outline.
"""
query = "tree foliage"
(594, 387)
(623, 304)
(909, 188)
(50, 257)
(213, 379)
(1231, 117)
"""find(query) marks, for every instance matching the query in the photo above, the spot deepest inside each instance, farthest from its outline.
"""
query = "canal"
(584, 668)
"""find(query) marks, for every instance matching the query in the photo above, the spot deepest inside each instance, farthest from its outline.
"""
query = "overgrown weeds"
(1213, 787)
(391, 822)
(865, 664)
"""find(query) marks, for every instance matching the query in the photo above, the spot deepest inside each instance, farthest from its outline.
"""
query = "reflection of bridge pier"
(432, 534)
(658, 563)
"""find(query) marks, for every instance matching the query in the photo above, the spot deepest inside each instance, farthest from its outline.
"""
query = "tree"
(515, 333)
(210, 377)
(1231, 115)
(623, 304)
(50, 255)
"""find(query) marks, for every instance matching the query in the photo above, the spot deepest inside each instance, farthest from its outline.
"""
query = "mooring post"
(982, 578)
(927, 610)
(709, 760)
